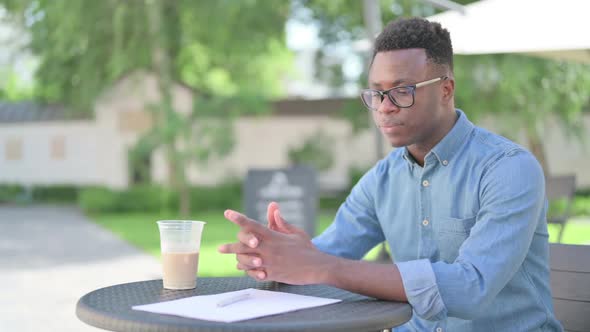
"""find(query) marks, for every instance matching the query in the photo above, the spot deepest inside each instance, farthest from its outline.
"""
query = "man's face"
(415, 124)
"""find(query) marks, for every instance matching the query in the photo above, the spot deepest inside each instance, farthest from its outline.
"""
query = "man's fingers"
(257, 274)
(270, 215)
(244, 222)
(246, 268)
(284, 226)
(248, 239)
(249, 261)
(235, 248)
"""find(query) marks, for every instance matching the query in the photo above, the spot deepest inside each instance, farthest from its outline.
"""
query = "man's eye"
(403, 91)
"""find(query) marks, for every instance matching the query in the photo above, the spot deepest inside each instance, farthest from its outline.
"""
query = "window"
(13, 149)
(58, 148)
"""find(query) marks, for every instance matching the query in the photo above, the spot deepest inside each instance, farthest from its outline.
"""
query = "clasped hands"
(279, 252)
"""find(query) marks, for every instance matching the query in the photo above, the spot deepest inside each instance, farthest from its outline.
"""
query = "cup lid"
(179, 224)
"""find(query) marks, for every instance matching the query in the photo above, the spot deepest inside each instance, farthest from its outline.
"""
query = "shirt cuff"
(421, 289)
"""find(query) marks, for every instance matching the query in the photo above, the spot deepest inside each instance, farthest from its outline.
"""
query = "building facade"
(43, 146)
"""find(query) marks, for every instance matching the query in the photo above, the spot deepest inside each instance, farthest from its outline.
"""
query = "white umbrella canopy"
(546, 28)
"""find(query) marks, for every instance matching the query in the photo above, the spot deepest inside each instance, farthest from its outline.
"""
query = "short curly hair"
(417, 33)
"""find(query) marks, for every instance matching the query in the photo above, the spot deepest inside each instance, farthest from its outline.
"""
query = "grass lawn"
(140, 230)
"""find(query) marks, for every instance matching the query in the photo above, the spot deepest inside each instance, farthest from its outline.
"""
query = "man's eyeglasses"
(401, 96)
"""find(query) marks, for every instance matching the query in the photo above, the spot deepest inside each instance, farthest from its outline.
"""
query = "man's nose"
(387, 106)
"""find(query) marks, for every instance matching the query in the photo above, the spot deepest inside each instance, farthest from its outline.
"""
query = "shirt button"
(438, 329)
(445, 162)
(425, 222)
(425, 183)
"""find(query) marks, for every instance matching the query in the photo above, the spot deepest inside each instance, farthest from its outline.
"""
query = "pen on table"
(234, 299)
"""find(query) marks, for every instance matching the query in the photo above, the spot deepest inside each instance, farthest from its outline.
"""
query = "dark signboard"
(294, 189)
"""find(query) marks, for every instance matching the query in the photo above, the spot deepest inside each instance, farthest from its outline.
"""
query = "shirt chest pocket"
(449, 234)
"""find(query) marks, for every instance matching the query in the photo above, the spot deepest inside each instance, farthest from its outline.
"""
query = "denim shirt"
(467, 231)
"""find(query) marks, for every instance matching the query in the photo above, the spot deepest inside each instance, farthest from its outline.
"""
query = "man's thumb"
(284, 226)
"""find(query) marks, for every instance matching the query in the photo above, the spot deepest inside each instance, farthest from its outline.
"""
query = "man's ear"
(448, 89)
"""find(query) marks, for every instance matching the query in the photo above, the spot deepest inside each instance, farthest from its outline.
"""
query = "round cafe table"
(110, 308)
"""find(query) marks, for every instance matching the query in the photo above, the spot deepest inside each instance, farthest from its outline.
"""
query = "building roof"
(28, 111)
(310, 107)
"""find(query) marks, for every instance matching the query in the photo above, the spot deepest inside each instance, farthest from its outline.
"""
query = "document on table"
(236, 306)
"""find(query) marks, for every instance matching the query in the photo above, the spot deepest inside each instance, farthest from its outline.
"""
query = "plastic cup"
(180, 243)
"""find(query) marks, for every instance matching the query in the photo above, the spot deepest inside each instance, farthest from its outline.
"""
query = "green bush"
(98, 199)
(153, 198)
(38, 194)
(583, 192)
(10, 193)
(224, 196)
(148, 198)
(55, 194)
(143, 198)
(581, 206)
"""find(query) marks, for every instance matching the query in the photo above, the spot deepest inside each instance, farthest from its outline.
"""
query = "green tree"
(316, 151)
(341, 22)
(13, 88)
(520, 92)
(231, 53)
(523, 94)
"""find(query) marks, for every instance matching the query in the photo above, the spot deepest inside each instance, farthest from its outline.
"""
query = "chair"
(570, 285)
(556, 188)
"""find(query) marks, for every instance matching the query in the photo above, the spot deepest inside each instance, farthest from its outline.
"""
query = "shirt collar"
(449, 145)
(446, 148)
(408, 157)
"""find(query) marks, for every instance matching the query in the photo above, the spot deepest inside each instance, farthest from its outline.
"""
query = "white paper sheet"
(260, 303)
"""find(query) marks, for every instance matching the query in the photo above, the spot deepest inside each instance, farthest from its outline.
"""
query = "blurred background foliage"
(234, 57)
(230, 53)
(215, 47)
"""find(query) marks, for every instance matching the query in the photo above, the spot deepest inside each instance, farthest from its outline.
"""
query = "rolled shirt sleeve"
(421, 289)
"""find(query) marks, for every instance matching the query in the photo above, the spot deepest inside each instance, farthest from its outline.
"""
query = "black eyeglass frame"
(412, 88)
